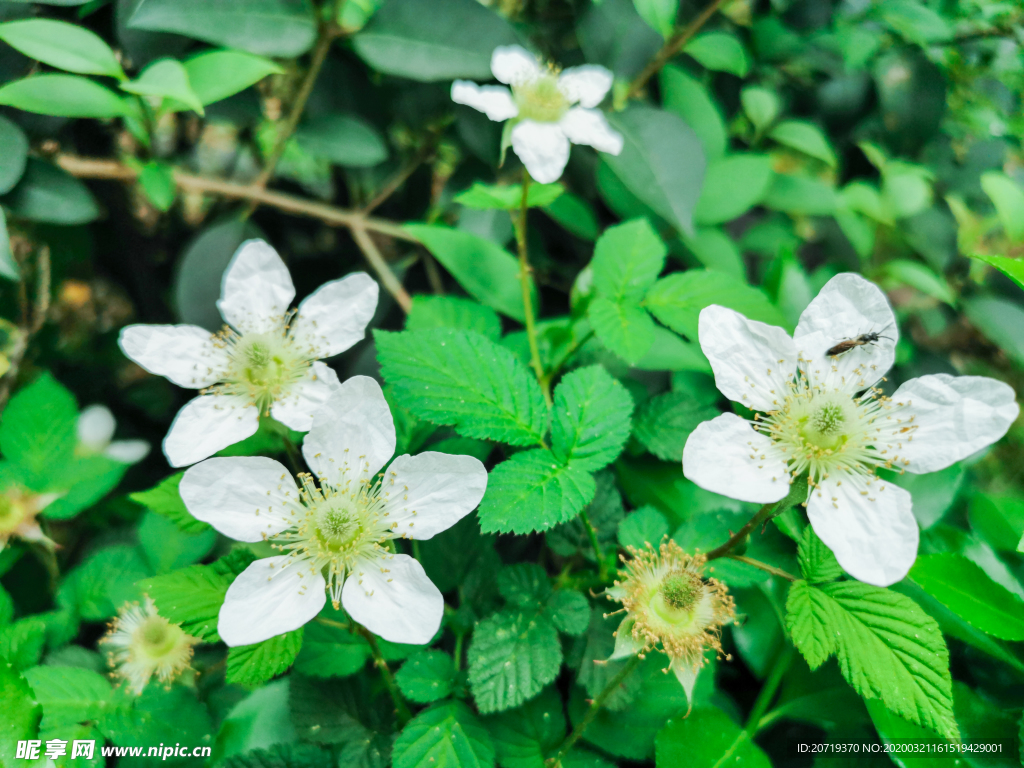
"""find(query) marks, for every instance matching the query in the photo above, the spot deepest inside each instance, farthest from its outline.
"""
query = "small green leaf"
(49, 194)
(916, 275)
(167, 547)
(691, 100)
(345, 140)
(997, 517)
(800, 195)
(805, 137)
(817, 563)
(644, 526)
(575, 214)
(452, 312)
(721, 52)
(525, 736)
(21, 643)
(157, 181)
(38, 427)
(13, 158)
(508, 196)
(488, 272)
(732, 185)
(426, 676)
(69, 695)
(591, 418)
(1012, 268)
(569, 611)
(660, 14)
(104, 582)
(447, 735)
(627, 260)
(624, 327)
(706, 738)
(462, 379)
(665, 422)
(215, 75)
(330, 651)
(761, 106)
(963, 587)
(251, 665)
(62, 96)
(677, 300)
(524, 585)
(512, 657)
(533, 491)
(19, 712)
(888, 648)
(166, 79)
(8, 269)
(62, 45)
(164, 499)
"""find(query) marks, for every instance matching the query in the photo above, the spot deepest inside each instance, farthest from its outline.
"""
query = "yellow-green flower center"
(157, 637)
(12, 513)
(541, 100)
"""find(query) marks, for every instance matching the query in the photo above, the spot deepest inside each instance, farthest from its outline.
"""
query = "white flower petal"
(185, 354)
(753, 362)
(257, 288)
(513, 64)
(869, 526)
(543, 148)
(940, 419)
(588, 84)
(207, 424)
(353, 433)
(272, 596)
(392, 597)
(95, 427)
(297, 408)
(727, 456)
(847, 307)
(335, 315)
(588, 126)
(495, 101)
(431, 492)
(245, 497)
(127, 451)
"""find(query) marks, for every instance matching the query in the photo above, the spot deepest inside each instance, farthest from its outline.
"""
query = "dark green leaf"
(12, 161)
(426, 676)
(343, 139)
(48, 194)
(575, 214)
(569, 611)
(591, 418)
(167, 547)
(719, 51)
(330, 651)
(732, 185)
(512, 657)
(707, 738)
(448, 735)
(804, 137)
(665, 422)
(642, 527)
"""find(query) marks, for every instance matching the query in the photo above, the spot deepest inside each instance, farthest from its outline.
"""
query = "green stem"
(389, 679)
(602, 564)
(797, 494)
(525, 282)
(459, 640)
(768, 690)
(764, 567)
(591, 713)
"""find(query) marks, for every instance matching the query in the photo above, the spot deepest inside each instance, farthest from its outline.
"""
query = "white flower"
(143, 643)
(334, 533)
(96, 427)
(822, 415)
(265, 363)
(543, 104)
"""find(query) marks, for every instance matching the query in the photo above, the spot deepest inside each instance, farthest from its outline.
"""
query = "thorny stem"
(389, 680)
(671, 47)
(797, 494)
(524, 280)
(764, 567)
(329, 30)
(32, 319)
(595, 706)
(602, 564)
(96, 168)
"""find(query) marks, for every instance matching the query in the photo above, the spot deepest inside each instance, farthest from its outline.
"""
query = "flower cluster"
(820, 413)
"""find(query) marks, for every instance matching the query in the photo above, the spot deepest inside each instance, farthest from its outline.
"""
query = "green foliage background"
(768, 147)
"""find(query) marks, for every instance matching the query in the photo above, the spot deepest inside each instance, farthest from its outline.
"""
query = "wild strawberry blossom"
(266, 361)
(824, 416)
(96, 426)
(334, 533)
(548, 109)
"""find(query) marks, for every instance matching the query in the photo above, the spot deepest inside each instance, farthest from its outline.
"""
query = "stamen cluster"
(143, 644)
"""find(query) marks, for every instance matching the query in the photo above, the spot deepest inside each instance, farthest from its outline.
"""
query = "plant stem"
(602, 564)
(329, 30)
(398, 179)
(389, 679)
(459, 640)
(764, 567)
(797, 493)
(768, 690)
(591, 713)
(671, 47)
(524, 280)
(380, 266)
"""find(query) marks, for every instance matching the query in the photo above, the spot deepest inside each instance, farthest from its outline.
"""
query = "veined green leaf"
(665, 422)
(430, 312)
(817, 563)
(426, 676)
(447, 735)
(463, 379)
(164, 499)
(627, 260)
(623, 326)
(19, 712)
(251, 665)
(38, 427)
(591, 418)
(69, 695)
(706, 738)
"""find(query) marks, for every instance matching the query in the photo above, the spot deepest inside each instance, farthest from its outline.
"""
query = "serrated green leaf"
(624, 327)
(326, 712)
(446, 735)
(533, 491)
(19, 712)
(167, 547)
(677, 300)
(706, 738)
(169, 715)
(104, 582)
(817, 563)
(524, 585)
(627, 260)
(665, 421)
(511, 658)
(524, 737)
(569, 611)
(329, 651)
(603, 513)
(69, 695)
(426, 676)
(591, 418)
(38, 426)
(430, 312)
(251, 665)
(888, 648)
(164, 499)
(463, 379)
(963, 587)
(193, 596)
(509, 196)
(21, 643)
(644, 526)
